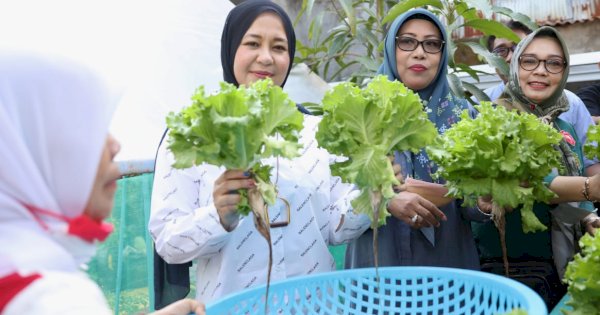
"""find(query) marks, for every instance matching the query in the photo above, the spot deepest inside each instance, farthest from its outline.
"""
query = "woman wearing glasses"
(194, 214)
(419, 233)
(538, 75)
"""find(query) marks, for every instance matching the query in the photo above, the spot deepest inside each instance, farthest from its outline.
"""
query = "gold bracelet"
(586, 189)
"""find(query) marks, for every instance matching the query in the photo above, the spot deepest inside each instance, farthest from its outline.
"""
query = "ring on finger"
(415, 218)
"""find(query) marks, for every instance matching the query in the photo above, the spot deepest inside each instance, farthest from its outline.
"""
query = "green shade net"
(123, 265)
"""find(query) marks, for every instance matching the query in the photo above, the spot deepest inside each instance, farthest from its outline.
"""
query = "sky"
(155, 53)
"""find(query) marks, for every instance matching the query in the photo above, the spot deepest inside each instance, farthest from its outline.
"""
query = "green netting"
(123, 264)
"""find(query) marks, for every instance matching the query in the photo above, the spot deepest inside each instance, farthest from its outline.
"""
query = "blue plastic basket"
(401, 290)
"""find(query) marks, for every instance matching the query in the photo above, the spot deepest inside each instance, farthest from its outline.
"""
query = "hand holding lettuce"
(236, 128)
(494, 154)
(366, 126)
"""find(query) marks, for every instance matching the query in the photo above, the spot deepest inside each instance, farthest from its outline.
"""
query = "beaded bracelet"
(586, 189)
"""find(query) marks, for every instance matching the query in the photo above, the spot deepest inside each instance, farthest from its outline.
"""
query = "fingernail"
(246, 173)
(251, 183)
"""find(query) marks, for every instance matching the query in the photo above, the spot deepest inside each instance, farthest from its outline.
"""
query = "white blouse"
(185, 225)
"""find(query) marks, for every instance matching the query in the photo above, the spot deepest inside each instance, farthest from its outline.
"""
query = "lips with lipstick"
(262, 74)
(417, 68)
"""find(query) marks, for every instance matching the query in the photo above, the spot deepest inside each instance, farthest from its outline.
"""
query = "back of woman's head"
(237, 24)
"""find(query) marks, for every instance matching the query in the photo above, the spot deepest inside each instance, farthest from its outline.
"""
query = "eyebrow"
(549, 56)
(277, 39)
(415, 35)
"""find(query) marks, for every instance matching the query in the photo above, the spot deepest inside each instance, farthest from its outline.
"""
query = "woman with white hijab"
(57, 184)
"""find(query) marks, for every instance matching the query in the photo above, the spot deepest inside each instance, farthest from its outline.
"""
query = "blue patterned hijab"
(443, 108)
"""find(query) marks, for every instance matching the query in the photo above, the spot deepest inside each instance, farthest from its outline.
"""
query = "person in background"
(419, 233)
(590, 95)
(538, 74)
(194, 211)
(57, 185)
(577, 113)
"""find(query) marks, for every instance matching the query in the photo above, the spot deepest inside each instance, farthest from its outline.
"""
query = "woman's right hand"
(226, 196)
(415, 210)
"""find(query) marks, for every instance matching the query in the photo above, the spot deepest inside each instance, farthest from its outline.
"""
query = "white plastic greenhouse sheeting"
(156, 52)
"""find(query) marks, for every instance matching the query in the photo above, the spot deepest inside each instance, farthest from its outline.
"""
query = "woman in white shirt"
(57, 185)
(194, 213)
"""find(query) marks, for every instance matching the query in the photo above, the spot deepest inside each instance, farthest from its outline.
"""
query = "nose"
(541, 68)
(419, 52)
(113, 146)
(264, 56)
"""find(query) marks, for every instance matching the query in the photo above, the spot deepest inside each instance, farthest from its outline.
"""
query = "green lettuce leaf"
(236, 128)
(590, 148)
(494, 154)
(366, 126)
(583, 277)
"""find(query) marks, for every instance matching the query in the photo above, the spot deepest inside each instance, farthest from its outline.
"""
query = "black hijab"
(237, 24)
(172, 281)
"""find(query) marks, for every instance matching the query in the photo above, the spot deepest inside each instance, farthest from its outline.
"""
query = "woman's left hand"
(591, 223)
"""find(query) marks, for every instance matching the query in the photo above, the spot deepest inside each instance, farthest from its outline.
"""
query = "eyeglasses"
(502, 51)
(430, 46)
(552, 65)
(282, 223)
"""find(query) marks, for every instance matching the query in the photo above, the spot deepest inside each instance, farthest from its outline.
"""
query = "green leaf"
(308, 5)
(451, 48)
(482, 6)
(456, 85)
(526, 20)
(406, 5)
(583, 279)
(366, 35)
(350, 15)
(336, 45)
(490, 58)
(475, 91)
(313, 108)
(531, 223)
(491, 27)
(493, 153)
(236, 128)
(467, 69)
(366, 126)
(590, 148)
(467, 12)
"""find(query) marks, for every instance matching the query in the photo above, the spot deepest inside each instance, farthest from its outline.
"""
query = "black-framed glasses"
(552, 65)
(503, 51)
(431, 46)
